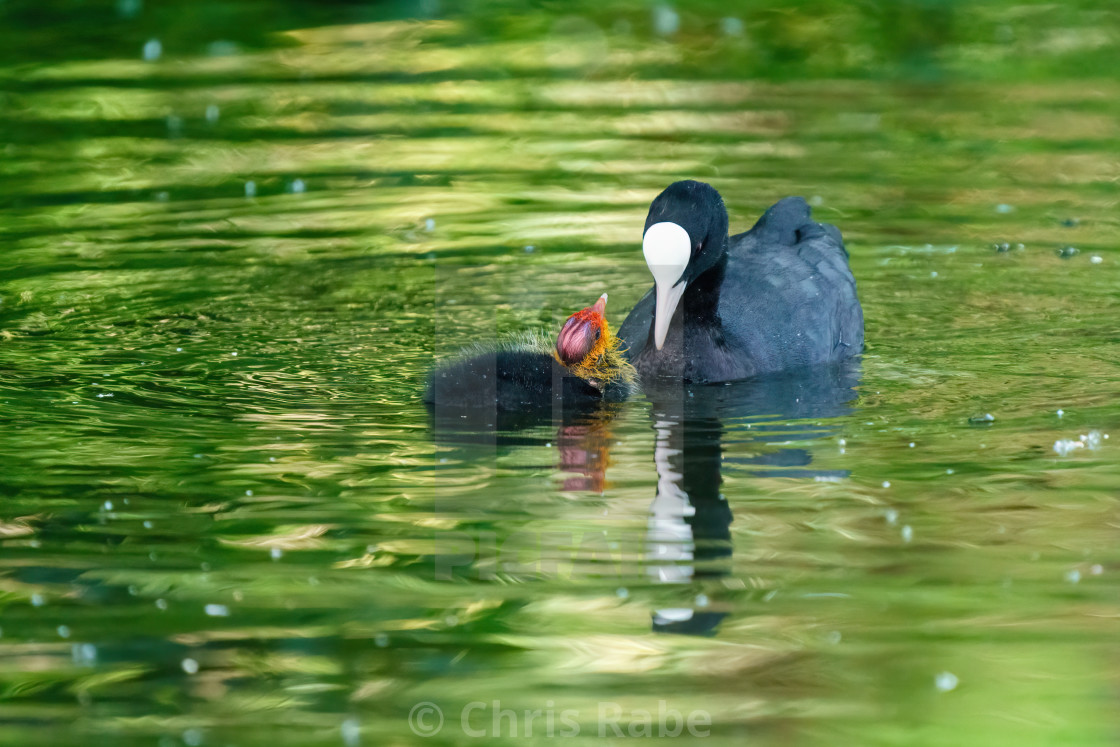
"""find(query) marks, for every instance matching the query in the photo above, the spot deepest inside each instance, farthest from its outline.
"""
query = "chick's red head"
(582, 332)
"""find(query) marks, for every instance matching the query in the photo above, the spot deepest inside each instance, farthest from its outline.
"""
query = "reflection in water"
(584, 444)
(581, 435)
(689, 534)
(153, 478)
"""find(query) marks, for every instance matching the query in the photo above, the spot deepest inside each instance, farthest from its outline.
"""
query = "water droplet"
(212, 113)
(666, 21)
(161, 604)
(217, 610)
(622, 592)
(276, 553)
(128, 8)
(886, 483)
(1073, 576)
(946, 681)
(83, 654)
(250, 189)
(351, 732)
(907, 533)
(731, 26)
(1065, 446)
(430, 225)
(37, 600)
(190, 666)
(152, 50)
(63, 631)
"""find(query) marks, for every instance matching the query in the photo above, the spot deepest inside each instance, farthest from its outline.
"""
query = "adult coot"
(584, 367)
(778, 297)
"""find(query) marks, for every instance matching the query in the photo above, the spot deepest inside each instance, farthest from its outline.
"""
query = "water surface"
(227, 518)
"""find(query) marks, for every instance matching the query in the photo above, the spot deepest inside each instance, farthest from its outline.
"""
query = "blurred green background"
(235, 236)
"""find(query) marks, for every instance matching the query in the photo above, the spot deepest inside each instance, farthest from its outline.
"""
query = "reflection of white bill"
(669, 539)
(672, 615)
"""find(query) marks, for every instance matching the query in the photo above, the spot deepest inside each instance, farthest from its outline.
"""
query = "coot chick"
(777, 297)
(586, 366)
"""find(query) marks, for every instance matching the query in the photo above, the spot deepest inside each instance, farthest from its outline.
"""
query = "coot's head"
(685, 236)
(588, 348)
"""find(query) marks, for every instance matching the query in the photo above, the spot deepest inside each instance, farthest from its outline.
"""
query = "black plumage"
(584, 368)
(778, 297)
(515, 379)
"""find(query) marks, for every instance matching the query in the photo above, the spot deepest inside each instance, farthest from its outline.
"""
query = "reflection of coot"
(690, 520)
(777, 297)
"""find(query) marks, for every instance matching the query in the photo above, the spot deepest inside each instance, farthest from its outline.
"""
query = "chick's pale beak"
(600, 306)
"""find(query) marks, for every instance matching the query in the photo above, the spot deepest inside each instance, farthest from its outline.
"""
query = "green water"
(226, 518)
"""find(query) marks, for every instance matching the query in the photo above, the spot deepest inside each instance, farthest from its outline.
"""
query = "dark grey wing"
(780, 224)
(790, 263)
(789, 222)
(821, 247)
(634, 332)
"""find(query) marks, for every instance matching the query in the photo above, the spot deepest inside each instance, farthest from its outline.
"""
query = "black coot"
(585, 367)
(778, 297)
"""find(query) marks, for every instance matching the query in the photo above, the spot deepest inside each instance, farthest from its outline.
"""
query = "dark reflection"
(689, 535)
(581, 435)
